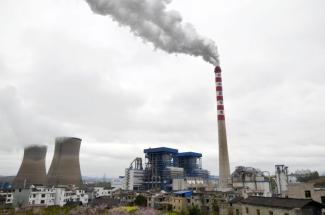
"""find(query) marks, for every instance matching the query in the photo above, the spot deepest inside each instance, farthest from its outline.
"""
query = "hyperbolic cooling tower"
(224, 169)
(32, 170)
(65, 167)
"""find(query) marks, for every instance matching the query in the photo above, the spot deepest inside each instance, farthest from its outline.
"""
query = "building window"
(322, 198)
(247, 210)
(237, 211)
(258, 212)
(270, 212)
(42, 201)
(286, 213)
(307, 194)
(43, 195)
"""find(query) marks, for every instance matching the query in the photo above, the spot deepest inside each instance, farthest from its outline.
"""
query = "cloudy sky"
(67, 71)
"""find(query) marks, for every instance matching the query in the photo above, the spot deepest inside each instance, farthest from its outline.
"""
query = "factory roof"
(189, 154)
(287, 203)
(160, 150)
(184, 193)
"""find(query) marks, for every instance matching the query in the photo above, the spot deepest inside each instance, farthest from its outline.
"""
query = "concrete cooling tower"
(32, 170)
(65, 167)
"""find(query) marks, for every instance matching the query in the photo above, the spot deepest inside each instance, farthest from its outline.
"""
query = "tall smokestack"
(32, 170)
(65, 167)
(224, 169)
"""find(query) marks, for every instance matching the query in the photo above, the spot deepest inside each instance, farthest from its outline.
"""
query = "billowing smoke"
(150, 20)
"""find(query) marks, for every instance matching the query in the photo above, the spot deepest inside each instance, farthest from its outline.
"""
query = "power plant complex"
(169, 180)
(164, 166)
(161, 166)
(165, 169)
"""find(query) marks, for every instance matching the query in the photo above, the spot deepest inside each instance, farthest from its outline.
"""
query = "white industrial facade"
(134, 179)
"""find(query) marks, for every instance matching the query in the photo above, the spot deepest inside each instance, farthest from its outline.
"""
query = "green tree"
(2, 201)
(140, 200)
(215, 208)
(194, 210)
(308, 177)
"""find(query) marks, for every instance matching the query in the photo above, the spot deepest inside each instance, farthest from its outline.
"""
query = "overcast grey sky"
(67, 71)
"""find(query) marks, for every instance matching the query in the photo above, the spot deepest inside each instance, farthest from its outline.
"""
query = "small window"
(258, 212)
(237, 211)
(322, 198)
(43, 195)
(286, 213)
(42, 201)
(247, 210)
(207, 200)
(307, 194)
(270, 212)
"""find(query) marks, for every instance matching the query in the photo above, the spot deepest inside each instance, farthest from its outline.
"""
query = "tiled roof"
(276, 202)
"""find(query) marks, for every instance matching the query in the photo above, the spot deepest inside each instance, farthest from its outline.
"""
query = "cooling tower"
(65, 167)
(32, 170)
(224, 168)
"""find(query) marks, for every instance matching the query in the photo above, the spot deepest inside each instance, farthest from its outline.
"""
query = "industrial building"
(134, 175)
(192, 164)
(156, 161)
(32, 169)
(65, 167)
(165, 169)
(312, 189)
(281, 179)
(251, 182)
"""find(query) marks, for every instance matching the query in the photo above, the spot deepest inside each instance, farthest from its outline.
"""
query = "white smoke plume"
(150, 20)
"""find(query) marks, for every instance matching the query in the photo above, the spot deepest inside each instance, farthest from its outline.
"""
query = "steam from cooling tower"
(150, 20)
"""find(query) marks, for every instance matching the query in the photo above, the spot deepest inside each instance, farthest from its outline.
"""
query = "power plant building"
(157, 160)
(166, 167)
(192, 164)
(65, 167)
(32, 170)
(134, 175)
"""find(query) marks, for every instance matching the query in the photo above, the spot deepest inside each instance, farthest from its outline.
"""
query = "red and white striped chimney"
(224, 168)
